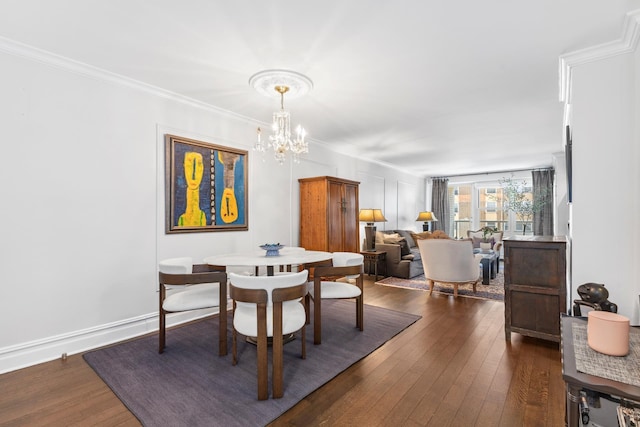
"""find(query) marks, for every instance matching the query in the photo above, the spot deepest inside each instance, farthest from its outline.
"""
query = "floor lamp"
(427, 217)
(370, 216)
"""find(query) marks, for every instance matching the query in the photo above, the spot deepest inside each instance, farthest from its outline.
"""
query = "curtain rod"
(490, 173)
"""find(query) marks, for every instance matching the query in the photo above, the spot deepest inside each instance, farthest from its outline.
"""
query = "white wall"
(82, 177)
(604, 228)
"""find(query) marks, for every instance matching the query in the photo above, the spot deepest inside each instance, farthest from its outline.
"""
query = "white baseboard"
(32, 353)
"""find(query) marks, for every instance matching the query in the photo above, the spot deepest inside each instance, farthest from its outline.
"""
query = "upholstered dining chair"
(185, 287)
(449, 261)
(268, 306)
(343, 279)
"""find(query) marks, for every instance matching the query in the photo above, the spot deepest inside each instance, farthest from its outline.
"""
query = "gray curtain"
(543, 202)
(440, 204)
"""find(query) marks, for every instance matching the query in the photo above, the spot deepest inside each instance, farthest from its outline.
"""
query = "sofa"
(403, 256)
(398, 265)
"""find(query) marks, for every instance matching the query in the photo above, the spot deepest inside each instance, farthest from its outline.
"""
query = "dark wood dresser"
(535, 285)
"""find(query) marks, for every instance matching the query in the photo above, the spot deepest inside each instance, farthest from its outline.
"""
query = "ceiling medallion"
(278, 83)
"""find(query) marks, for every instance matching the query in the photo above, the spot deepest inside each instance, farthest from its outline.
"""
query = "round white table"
(259, 259)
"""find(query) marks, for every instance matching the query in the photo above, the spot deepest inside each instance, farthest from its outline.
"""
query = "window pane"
(491, 211)
(461, 212)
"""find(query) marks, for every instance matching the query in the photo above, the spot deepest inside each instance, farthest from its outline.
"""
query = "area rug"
(190, 385)
(493, 291)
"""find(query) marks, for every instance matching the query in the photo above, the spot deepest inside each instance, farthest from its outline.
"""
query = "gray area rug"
(190, 385)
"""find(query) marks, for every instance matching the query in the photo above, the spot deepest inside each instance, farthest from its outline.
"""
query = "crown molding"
(626, 44)
(22, 50)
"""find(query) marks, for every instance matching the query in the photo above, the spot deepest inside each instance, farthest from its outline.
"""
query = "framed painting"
(205, 187)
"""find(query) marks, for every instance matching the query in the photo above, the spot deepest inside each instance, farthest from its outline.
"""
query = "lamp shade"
(371, 215)
(426, 216)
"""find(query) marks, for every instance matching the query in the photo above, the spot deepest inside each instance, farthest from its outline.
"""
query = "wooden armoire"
(329, 214)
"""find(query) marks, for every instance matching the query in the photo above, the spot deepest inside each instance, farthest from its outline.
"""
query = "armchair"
(449, 261)
(478, 236)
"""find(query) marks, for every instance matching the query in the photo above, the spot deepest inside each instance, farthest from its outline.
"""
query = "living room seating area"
(403, 256)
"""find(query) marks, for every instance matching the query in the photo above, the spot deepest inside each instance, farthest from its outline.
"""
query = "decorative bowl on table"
(273, 249)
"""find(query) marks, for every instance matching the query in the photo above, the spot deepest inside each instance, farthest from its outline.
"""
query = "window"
(479, 204)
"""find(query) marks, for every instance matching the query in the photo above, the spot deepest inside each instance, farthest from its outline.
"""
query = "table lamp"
(370, 216)
(427, 217)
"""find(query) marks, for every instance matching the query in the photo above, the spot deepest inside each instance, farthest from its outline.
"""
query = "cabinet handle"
(343, 205)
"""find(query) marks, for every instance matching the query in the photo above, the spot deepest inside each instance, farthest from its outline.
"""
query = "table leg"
(485, 270)
(222, 320)
(573, 407)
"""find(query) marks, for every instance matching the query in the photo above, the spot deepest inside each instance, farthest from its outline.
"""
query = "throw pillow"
(478, 240)
(404, 247)
(379, 237)
(409, 257)
(420, 236)
(407, 236)
(396, 239)
(392, 238)
(439, 234)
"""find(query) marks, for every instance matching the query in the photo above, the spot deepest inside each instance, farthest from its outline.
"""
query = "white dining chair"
(268, 306)
(344, 279)
(185, 287)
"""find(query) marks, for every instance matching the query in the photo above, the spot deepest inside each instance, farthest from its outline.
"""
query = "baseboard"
(35, 352)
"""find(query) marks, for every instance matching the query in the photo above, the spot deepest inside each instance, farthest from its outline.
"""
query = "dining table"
(259, 258)
(256, 259)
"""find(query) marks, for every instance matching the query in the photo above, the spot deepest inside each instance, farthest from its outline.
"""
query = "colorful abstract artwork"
(205, 188)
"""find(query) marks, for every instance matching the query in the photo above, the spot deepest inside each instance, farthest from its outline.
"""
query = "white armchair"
(449, 261)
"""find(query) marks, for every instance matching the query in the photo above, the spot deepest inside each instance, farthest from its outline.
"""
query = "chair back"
(183, 265)
(347, 259)
(478, 235)
(449, 260)
(266, 283)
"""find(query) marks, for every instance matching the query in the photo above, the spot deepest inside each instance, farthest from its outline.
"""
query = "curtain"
(543, 202)
(440, 204)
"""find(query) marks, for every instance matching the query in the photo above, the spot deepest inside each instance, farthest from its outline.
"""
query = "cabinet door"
(350, 219)
(335, 212)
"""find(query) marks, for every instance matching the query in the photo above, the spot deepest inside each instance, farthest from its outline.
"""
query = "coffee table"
(489, 264)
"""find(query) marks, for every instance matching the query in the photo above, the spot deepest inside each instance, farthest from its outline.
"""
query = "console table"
(577, 381)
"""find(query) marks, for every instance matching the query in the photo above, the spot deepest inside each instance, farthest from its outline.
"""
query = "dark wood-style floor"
(451, 368)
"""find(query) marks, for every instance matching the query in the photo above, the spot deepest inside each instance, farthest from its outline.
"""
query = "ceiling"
(435, 88)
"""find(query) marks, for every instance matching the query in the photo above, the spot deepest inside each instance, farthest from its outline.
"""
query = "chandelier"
(279, 82)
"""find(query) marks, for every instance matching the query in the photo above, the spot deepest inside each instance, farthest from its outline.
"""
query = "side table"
(374, 257)
(577, 381)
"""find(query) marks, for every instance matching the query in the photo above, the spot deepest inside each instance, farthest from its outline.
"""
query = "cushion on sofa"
(420, 236)
(392, 238)
(396, 239)
(407, 236)
(381, 235)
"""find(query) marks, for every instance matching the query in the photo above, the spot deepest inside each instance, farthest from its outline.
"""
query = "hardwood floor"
(451, 368)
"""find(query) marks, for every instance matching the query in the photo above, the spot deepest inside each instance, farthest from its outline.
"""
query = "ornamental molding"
(626, 44)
